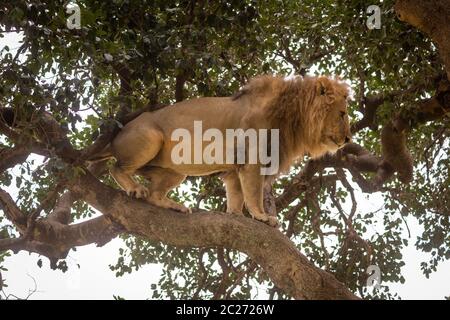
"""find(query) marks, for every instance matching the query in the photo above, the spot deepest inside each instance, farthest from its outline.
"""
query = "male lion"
(310, 113)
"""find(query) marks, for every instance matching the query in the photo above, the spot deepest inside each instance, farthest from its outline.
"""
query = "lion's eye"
(343, 114)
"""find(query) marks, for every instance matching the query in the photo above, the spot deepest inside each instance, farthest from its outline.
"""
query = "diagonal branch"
(9, 157)
(274, 252)
(12, 211)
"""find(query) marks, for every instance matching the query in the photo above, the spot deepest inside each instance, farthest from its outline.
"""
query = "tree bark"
(432, 18)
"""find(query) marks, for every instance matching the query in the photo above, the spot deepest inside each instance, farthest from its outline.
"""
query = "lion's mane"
(291, 105)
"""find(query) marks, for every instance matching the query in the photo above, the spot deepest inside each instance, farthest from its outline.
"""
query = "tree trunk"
(431, 17)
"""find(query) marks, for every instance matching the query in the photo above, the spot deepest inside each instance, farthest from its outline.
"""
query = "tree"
(66, 92)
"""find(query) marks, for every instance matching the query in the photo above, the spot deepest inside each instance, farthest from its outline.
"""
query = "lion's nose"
(348, 139)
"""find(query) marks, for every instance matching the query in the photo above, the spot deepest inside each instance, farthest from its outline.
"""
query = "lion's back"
(210, 112)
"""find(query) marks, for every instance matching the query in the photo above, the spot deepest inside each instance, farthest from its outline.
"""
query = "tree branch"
(54, 240)
(9, 157)
(12, 212)
(430, 17)
(275, 253)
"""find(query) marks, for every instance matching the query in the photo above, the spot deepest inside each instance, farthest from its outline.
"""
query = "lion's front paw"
(139, 192)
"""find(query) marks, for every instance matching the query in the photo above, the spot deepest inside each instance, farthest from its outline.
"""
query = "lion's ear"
(324, 87)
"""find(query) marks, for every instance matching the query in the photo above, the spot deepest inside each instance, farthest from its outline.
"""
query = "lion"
(310, 113)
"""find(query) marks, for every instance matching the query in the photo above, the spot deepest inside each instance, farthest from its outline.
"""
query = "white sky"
(94, 280)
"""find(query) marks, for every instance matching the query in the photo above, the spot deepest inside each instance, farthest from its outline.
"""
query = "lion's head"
(310, 112)
(332, 96)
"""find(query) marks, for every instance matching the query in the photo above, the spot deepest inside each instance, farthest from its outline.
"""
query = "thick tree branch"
(9, 157)
(54, 240)
(12, 212)
(274, 252)
(11, 244)
(62, 211)
(432, 18)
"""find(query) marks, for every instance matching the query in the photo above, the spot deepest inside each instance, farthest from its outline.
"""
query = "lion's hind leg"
(161, 182)
(133, 149)
(123, 175)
